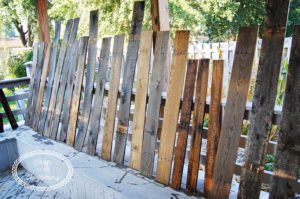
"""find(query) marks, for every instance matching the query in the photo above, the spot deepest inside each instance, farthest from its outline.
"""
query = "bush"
(15, 64)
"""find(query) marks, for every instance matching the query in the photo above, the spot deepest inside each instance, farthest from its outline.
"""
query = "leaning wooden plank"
(40, 94)
(233, 114)
(89, 82)
(58, 72)
(184, 124)
(77, 91)
(98, 98)
(31, 85)
(156, 86)
(197, 125)
(9, 114)
(69, 67)
(264, 97)
(128, 78)
(169, 128)
(37, 78)
(52, 70)
(214, 125)
(287, 156)
(114, 82)
(143, 64)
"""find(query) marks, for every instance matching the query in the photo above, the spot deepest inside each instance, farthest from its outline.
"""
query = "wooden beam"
(43, 22)
(9, 114)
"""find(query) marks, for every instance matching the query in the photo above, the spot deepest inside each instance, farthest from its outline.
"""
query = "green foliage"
(15, 64)
(269, 162)
(294, 16)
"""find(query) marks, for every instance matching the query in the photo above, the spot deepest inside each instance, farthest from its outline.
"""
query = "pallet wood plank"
(40, 94)
(77, 91)
(89, 81)
(9, 114)
(234, 111)
(264, 97)
(169, 128)
(52, 71)
(214, 125)
(156, 86)
(95, 118)
(287, 156)
(128, 78)
(184, 124)
(143, 64)
(116, 64)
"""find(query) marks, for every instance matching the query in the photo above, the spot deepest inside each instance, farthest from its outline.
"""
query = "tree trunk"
(41, 6)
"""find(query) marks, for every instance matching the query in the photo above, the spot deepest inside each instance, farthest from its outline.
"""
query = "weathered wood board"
(156, 85)
(114, 83)
(197, 125)
(184, 124)
(128, 78)
(233, 114)
(143, 64)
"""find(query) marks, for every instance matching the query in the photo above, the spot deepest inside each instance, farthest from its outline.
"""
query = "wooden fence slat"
(95, 118)
(9, 114)
(214, 125)
(116, 64)
(40, 94)
(143, 64)
(234, 111)
(264, 97)
(197, 125)
(128, 78)
(52, 71)
(31, 85)
(37, 79)
(89, 81)
(64, 92)
(184, 124)
(156, 86)
(169, 128)
(77, 90)
(287, 155)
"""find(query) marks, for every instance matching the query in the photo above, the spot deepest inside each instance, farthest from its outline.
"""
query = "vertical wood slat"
(89, 81)
(32, 82)
(156, 86)
(68, 68)
(184, 124)
(40, 94)
(98, 98)
(264, 97)
(114, 83)
(77, 90)
(214, 125)
(59, 68)
(287, 156)
(37, 80)
(233, 114)
(143, 63)
(9, 114)
(52, 69)
(128, 78)
(197, 125)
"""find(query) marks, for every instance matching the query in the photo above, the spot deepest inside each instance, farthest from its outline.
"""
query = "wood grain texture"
(116, 64)
(233, 114)
(184, 124)
(197, 125)
(128, 78)
(77, 91)
(156, 85)
(53, 61)
(95, 118)
(143, 64)
(89, 81)
(169, 128)
(214, 125)
(31, 84)
(264, 97)
(287, 156)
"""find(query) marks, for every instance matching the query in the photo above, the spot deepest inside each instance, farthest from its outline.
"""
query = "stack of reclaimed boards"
(67, 95)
